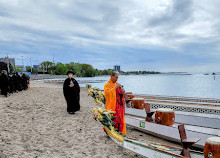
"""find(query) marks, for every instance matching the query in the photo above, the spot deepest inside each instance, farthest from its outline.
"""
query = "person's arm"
(76, 85)
(118, 85)
(65, 87)
(108, 89)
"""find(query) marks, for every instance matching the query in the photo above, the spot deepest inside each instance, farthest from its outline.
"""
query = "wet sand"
(34, 123)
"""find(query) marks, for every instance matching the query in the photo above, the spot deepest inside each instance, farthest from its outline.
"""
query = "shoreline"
(35, 123)
(48, 76)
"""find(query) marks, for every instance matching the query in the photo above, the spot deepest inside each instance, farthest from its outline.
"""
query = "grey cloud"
(184, 27)
(176, 14)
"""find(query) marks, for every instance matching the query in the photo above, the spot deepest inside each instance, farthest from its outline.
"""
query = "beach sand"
(34, 123)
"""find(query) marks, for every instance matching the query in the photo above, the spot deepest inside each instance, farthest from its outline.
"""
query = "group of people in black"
(10, 83)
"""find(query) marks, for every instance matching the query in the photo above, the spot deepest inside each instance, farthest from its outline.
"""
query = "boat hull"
(170, 133)
(187, 118)
(149, 152)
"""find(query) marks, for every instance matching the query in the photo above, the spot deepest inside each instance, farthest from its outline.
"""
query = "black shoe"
(71, 113)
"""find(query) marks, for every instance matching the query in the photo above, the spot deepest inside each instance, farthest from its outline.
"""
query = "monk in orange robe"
(114, 100)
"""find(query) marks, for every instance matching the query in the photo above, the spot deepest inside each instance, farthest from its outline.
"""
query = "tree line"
(80, 70)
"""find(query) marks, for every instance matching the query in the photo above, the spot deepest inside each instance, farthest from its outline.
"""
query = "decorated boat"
(165, 122)
(162, 124)
(97, 94)
(145, 148)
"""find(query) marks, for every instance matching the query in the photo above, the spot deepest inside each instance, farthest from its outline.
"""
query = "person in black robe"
(24, 82)
(19, 80)
(0, 81)
(28, 80)
(4, 83)
(71, 91)
(11, 84)
(15, 81)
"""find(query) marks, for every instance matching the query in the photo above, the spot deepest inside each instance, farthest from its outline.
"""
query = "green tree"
(110, 71)
(46, 65)
(71, 67)
(105, 72)
(80, 70)
(17, 69)
(28, 69)
(87, 70)
(61, 69)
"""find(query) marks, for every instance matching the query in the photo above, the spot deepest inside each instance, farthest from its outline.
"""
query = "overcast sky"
(161, 35)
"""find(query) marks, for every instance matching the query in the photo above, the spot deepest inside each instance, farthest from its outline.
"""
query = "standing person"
(19, 80)
(114, 100)
(4, 83)
(24, 81)
(15, 81)
(0, 81)
(11, 84)
(28, 81)
(71, 91)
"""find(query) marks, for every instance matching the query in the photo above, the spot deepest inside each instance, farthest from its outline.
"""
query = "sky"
(158, 35)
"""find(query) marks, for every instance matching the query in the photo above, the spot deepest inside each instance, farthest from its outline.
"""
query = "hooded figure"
(71, 91)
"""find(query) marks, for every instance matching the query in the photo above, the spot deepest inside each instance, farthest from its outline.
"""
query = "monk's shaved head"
(114, 76)
(114, 73)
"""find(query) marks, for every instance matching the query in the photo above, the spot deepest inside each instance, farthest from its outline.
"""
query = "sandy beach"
(34, 123)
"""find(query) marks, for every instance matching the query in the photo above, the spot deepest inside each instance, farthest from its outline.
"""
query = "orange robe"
(110, 99)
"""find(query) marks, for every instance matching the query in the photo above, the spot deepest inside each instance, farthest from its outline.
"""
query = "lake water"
(203, 86)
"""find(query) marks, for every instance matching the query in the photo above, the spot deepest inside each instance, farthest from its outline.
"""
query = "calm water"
(172, 85)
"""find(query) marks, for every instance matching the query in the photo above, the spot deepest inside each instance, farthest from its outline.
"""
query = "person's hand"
(123, 91)
(71, 85)
(118, 85)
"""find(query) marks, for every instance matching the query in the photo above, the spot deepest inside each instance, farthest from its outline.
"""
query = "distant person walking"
(71, 91)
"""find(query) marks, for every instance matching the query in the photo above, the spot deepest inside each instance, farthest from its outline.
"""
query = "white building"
(8, 60)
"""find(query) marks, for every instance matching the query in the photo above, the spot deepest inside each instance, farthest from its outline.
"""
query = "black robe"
(72, 95)
(11, 84)
(4, 84)
(24, 82)
(15, 81)
(0, 81)
(19, 80)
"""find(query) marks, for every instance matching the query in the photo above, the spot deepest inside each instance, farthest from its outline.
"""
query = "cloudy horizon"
(162, 35)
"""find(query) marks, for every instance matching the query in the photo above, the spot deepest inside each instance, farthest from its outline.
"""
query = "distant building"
(10, 60)
(36, 68)
(117, 68)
